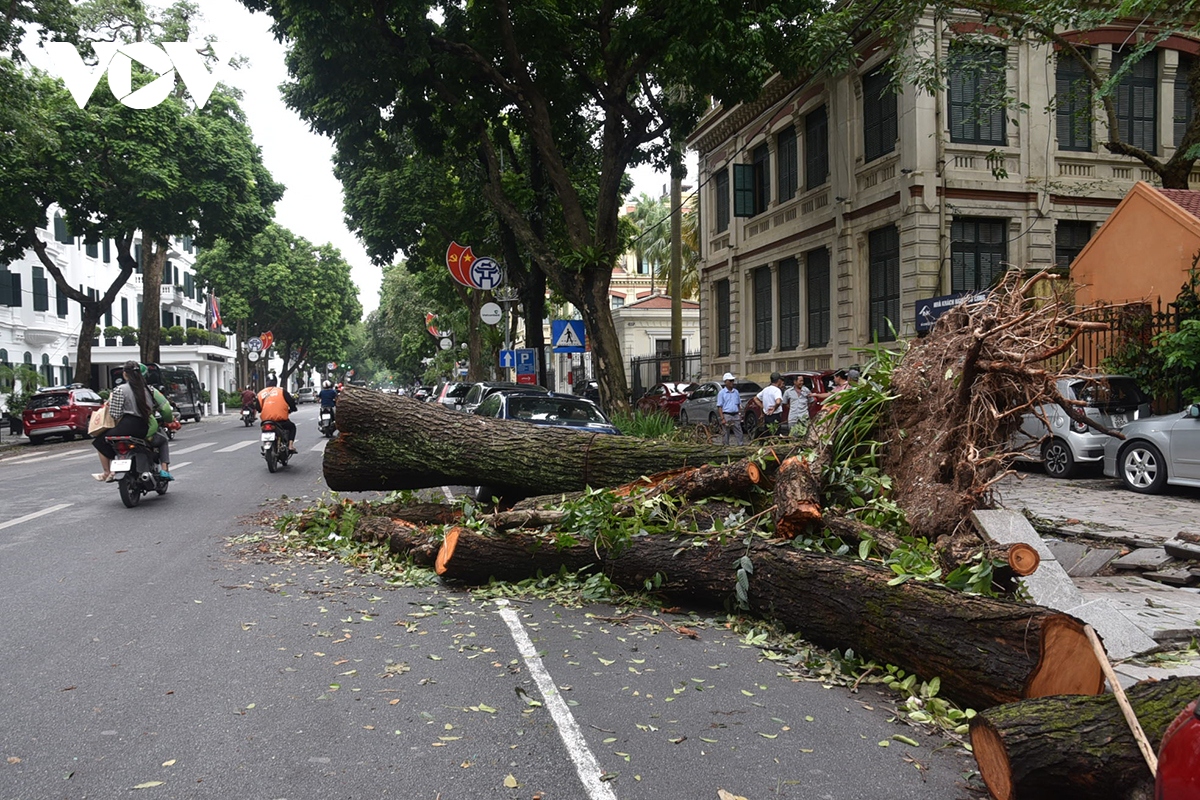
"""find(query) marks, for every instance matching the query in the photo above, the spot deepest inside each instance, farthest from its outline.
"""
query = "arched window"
(66, 371)
(47, 370)
(6, 376)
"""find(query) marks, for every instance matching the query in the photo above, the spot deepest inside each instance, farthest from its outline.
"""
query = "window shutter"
(743, 190)
(64, 302)
(6, 289)
(107, 252)
(1183, 98)
(816, 148)
(14, 281)
(124, 311)
(816, 265)
(41, 290)
(788, 166)
(872, 147)
(61, 235)
(721, 188)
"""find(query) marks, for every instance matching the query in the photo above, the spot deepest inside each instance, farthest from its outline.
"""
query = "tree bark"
(1061, 748)
(797, 498)
(154, 258)
(389, 442)
(985, 651)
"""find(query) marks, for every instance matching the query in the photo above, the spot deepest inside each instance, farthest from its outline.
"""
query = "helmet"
(326, 385)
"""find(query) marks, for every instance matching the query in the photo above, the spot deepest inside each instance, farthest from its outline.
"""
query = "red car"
(665, 397)
(820, 383)
(59, 411)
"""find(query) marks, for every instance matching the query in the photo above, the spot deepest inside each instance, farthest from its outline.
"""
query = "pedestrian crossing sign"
(566, 335)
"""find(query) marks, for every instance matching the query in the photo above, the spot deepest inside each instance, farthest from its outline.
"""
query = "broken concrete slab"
(1182, 549)
(1050, 585)
(1173, 576)
(1143, 558)
(1066, 553)
(1092, 562)
(1164, 613)
(1122, 637)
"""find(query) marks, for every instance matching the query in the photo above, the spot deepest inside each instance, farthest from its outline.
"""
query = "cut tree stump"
(797, 498)
(388, 442)
(985, 651)
(1062, 748)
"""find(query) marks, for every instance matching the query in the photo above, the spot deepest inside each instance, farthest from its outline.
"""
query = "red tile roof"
(1187, 199)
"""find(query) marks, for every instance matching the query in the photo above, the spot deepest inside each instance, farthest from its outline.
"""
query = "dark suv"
(59, 411)
(480, 392)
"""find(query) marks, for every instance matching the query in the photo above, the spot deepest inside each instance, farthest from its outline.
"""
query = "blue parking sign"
(526, 361)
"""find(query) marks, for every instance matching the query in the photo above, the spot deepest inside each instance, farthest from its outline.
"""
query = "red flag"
(215, 309)
(458, 261)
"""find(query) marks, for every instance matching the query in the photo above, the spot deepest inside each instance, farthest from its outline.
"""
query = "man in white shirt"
(729, 408)
(797, 397)
(771, 400)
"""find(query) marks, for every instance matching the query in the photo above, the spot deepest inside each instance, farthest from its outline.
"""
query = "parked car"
(665, 397)
(452, 394)
(59, 411)
(480, 391)
(558, 410)
(306, 394)
(1156, 452)
(422, 393)
(1110, 400)
(588, 389)
(819, 383)
(700, 408)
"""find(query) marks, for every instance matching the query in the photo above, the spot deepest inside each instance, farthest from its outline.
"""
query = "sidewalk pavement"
(1095, 521)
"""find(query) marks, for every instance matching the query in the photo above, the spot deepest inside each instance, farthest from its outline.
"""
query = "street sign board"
(485, 273)
(508, 359)
(530, 378)
(254, 344)
(331, 366)
(526, 361)
(490, 313)
(446, 343)
(252, 356)
(567, 336)
(929, 309)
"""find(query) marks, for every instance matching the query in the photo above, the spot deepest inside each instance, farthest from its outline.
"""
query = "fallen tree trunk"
(388, 442)
(1059, 748)
(985, 651)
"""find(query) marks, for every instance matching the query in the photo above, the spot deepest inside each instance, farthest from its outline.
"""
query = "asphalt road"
(156, 652)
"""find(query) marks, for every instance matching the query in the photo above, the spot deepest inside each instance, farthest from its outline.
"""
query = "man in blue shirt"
(327, 395)
(729, 408)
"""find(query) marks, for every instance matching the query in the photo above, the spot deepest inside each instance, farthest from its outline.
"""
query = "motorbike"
(325, 422)
(274, 445)
(247, 416)
(136, 469)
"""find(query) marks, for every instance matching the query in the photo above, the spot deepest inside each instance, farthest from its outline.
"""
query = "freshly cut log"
(797, 498)
(402, 537)
(1023, 559)
(388, 442)
(985, 651)
(1060, 748)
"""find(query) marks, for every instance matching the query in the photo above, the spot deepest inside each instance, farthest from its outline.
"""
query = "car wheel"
(1142, 468)
(1057, 459)
(683, 418)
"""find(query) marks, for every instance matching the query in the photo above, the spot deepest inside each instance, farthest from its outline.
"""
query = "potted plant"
(111, 333)
(129, 335)
(216, 338)
(195, 336)
(175, 334)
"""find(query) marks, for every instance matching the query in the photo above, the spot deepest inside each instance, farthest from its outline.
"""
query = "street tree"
(1061, 28)
(610, 80)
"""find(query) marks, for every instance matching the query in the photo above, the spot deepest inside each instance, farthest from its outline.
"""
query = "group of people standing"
(772, 398)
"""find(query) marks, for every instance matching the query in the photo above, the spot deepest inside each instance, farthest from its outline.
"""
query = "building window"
(137, 257)
(762, 178)
(124, 312)
(978, 250)
(789, 166)
(789, 304)
(66, 370)
(762, 310)
(92, 249)
(816, 148)
(1072, 104)
(816, 267)
(975, 94)
(884, 263)
(62, 301)
(723, 314)
(47, 371)
(752, 184)
(189, 285)
(1184, 107)
(1070, 237)
(879, 115)
(1137, 100)
(617, 302)
(721, 192)
(61, 234)
(41, 290)
(10, 288)
(107, 252)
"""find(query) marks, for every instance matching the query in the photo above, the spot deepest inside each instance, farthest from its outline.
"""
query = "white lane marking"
(34, 515)
(179, 465)
(237, 446)
(191, 449)
(34, 458)
(82, 457)
(319, 447)
(586, 765)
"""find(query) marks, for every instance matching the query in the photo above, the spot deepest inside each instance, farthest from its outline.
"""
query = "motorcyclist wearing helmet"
(274, 404)
(328, 395)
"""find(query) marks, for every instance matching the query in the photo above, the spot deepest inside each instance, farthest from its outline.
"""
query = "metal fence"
(1130, 324)
(646, 371)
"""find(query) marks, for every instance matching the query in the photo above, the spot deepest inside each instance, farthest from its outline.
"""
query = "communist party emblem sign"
(478, 273)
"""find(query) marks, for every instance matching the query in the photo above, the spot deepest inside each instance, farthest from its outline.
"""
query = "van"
(178, 384)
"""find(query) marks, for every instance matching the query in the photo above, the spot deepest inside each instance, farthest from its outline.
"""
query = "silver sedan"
(1156, 452)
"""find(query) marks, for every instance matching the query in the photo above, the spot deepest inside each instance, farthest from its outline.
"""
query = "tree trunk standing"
(607, 356)
(676, 274)
(1063, 748)
(985, 651)
(154, 258)
(390, 442)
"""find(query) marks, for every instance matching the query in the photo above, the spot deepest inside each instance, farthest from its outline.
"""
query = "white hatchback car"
(1110, 400)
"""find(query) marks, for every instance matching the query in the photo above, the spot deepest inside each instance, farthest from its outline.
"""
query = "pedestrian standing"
(729, 408)
(771, 401)
(798, 397)
(839, 381)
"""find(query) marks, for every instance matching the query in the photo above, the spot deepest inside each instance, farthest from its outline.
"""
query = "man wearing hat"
(729, 408)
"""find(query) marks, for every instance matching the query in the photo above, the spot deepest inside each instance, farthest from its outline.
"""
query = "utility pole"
(675, 275)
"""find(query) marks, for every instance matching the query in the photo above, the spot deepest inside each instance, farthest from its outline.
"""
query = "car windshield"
(48, 400)
(1118, 392)
(552, 409)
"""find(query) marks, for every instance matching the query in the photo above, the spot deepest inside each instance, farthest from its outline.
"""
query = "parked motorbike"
(274, 445)
(248, 416)
(325, 422)
(136, 469)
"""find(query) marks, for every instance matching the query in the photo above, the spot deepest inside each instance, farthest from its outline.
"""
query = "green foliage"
(656, 425)
(567, 589)
(1180, 353)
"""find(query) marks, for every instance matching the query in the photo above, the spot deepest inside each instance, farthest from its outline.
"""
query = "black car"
(557, 410)
(480, 392)
(587, 389)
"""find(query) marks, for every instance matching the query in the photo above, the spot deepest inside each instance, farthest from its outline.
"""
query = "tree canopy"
(600, 84)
